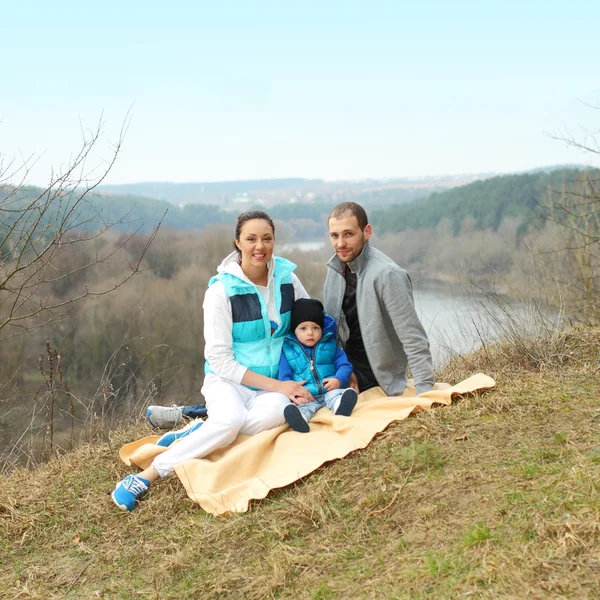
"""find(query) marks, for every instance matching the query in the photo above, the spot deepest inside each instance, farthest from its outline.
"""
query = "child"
(311, 354)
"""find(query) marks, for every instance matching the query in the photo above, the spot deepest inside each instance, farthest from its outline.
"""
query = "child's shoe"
(347, 403)
(295, 419)
(168, 438)
(128, 491)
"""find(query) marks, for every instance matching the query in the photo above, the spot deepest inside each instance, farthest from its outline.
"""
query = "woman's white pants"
(232, 409)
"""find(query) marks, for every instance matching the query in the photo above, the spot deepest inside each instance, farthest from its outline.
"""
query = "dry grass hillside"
(497, 496)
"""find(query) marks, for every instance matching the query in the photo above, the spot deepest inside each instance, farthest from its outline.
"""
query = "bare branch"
(38, 225)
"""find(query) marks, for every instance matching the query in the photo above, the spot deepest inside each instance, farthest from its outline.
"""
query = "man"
(371, 299)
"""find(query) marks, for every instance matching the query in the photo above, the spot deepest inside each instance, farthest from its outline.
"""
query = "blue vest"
(322, 360)
(254, 346)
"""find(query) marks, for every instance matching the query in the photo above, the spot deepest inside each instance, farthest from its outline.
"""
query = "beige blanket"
(226, 480)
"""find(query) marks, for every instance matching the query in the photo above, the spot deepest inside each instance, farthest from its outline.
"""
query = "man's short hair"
(356, 210)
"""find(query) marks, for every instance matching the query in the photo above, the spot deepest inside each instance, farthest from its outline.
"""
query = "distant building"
(243, 202)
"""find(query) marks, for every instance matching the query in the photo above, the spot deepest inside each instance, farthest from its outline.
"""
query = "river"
(448, 317)
(459, 321)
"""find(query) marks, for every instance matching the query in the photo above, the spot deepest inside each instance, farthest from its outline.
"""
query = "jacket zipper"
(312, 366)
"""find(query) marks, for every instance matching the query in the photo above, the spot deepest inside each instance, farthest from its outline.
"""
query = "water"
(308, 246)
(444, 315)
(459, 322)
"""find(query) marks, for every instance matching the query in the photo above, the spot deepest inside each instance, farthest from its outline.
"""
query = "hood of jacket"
(231, 265)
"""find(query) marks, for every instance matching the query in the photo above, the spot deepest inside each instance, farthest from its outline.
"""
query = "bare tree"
(574, 210)
(38, 225)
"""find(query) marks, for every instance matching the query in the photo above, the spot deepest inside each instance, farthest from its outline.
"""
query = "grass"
(497, 496)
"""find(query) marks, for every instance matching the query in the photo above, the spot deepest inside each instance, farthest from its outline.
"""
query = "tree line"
(488, 202)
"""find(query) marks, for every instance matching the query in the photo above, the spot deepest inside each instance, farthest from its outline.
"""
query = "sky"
(214, 91)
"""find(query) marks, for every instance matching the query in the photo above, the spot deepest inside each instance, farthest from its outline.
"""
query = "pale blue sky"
(337, 90)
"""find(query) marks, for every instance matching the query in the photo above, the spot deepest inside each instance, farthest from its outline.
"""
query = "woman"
(247, 310)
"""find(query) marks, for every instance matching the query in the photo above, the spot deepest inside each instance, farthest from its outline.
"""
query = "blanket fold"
(247, 469)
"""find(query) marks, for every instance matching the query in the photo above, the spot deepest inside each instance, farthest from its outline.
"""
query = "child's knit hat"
(307, 309)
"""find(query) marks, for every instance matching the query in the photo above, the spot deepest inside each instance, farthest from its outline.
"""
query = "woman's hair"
(248, 216)
(356, 210)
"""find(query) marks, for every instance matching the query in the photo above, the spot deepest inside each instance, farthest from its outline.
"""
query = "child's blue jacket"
(323, 361)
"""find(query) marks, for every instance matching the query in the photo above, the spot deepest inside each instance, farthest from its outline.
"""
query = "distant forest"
(487, 202)
(270, 192)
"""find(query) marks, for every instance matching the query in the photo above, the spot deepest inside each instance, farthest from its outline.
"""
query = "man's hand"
(333, 383)
(353, 383)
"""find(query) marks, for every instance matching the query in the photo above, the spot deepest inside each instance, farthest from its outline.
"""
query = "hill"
(495, 496)
(213, 192)
(393, 205)
(486, 202)
(270, 192)
(127, 213)
(549, 169)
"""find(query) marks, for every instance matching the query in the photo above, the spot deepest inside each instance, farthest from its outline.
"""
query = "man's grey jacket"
(392, 333)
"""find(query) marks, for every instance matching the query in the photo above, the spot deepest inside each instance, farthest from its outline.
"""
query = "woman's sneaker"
(128, 491)
(168, 438)
(347, 403)
(295, 420)
(164, 417)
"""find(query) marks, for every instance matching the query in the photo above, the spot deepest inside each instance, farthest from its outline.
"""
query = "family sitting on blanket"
(247, 316)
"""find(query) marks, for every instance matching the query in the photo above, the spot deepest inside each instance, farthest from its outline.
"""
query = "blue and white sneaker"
(168, 438)
(128, 491)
